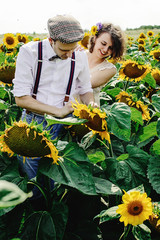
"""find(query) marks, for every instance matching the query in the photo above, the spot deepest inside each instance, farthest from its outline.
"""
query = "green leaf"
(107, 215)
(123, 157)
(154, 173)
(3, 105)
(113, 92)
(136, 116)
(119, 121)
(11, 194)
(148, 131)
(150, 80)
(87, 140)
(74, 169)
(131, 172)
(106, 187)
(141, 232)
(2, 92)
(10, 222)
(39, 225)
(140, 188)
(158, 127)
(156, 102)
(59, 213)
(156, 147)
(96, 157)
(67, 121)
(11, 174)
(13, 113)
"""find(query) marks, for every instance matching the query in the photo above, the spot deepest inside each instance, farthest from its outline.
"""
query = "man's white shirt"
(54, 74)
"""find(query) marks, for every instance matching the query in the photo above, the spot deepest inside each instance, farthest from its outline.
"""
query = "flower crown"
(96, 28)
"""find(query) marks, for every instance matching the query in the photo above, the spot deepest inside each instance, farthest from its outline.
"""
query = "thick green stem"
(126, 85)
(41, 190)
(125, 233)
(109, 148)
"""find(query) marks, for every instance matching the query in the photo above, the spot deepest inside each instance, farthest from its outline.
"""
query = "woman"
(106, 42)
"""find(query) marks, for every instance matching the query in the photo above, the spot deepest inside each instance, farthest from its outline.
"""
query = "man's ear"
(50, 40)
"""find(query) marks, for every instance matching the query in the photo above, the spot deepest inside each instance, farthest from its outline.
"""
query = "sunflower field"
(100, 179)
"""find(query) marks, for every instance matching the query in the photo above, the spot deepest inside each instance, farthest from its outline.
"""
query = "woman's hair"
(117, 36)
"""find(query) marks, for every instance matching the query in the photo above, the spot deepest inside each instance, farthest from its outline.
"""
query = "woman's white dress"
(100, 67)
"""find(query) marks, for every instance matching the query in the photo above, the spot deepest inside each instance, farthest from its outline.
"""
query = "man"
(64, 34)
(48, 74)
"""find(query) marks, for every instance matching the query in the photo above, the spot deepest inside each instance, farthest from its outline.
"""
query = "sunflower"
(128, 99)
(130, 38)
(142, 35)
(155, 217)
(141, 48)
(94, 30)
(36, 39)
(28, 141)
(141, 41)
(143, 109)
(156, 54)
(7, 71)
(150, 33)
(10, 41)
(133, 71)
(135, 209)
(2, 47)
(158, 37)
(96, 119)
(84, 42)
(150, 92)
(156, 75)
(22, 38)
(155, 44)
(155, 221)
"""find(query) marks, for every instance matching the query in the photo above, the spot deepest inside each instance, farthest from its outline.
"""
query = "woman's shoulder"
(106, 65)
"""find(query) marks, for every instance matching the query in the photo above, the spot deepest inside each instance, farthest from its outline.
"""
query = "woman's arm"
(99, 78)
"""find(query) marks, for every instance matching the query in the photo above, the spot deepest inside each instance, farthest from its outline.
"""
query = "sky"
(31, 15)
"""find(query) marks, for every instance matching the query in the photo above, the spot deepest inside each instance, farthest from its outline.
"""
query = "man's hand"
(93, 104)
(64, 111)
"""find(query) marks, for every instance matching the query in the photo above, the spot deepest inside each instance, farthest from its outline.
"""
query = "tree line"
(145, 27)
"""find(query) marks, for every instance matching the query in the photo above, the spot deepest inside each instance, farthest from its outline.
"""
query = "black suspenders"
(39, 67)
(66, 99)
(38, 74)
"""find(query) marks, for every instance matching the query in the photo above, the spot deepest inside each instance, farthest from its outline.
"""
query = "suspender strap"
(38, 69)
(66, 99)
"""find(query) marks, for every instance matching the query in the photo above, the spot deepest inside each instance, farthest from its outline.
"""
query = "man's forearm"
(33, 105)
(87, 98)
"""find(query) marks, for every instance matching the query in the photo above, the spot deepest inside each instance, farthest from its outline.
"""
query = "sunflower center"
(141, 48)
(84, 114)
(95, 123)
(85, 41)
(132, 71)
(157, 77)
(26, 145)
(135, 208)
(7, 74)
(141, 41)
(157, 55)
(19, 38)
(124, 99)
(10, 40)
(23, 40)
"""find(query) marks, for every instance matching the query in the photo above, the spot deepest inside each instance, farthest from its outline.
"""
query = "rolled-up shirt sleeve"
(23, 81)
(84, 83)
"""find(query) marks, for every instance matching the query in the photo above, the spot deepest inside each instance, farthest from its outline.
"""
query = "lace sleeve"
(106, 65)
